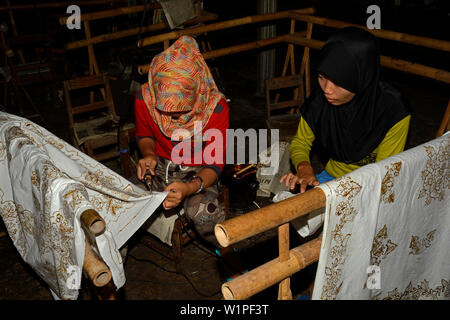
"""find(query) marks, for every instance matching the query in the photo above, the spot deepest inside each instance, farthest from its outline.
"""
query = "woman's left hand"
(177, 192)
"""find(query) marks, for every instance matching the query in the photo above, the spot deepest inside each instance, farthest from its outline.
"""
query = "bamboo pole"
(415, 68)
(284, 288)
(289, 59)
(113, 12)
(388, 62)
(445, 124)
(142, 69)
(93, 66)
(218, 26)
(305, 66)
(92, 222)
(269, 217)
(96, 270)
(130, 32)
(272, 272)
(380, 33)
(58, 4)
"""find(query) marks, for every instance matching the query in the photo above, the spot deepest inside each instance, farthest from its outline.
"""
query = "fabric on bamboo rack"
(387, 229)
(45, 186)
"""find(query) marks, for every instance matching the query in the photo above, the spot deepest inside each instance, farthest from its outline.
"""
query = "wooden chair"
(94, 125)
(276, 115)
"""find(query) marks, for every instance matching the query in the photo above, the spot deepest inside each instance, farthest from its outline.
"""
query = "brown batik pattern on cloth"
(421, 291)
(381, 247)
(419, 245)
(347, 189)
(436, 176)
(202, 209)
(387, 185)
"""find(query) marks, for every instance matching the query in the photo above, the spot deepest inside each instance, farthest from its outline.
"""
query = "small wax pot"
(243, 185)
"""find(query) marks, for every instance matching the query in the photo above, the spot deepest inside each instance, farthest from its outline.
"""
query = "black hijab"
(349, 132)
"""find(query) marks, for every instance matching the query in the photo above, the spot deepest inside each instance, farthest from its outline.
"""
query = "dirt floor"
(151, 271)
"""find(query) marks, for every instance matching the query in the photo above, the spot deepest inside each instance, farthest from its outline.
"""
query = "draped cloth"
(45, 186)
(387, 229)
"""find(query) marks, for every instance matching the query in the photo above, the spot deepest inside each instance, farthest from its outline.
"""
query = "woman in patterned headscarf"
(179, 101)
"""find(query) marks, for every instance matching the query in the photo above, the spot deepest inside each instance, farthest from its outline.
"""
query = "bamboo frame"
(284, 288)
(242, 227)
(58, 4)
(134, 31)
(289, 261)
(380, 33)
(218, 26)
(142, 69)
(89, 41)
(305, 69)
(289, 59)
(113, 12)
(397, 64)
(272, 272)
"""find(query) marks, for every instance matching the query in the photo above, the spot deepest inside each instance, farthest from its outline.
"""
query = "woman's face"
(335, 94)
(174, 115)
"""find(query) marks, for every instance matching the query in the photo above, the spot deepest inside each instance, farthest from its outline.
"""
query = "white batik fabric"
(387, 229)
(45, 186)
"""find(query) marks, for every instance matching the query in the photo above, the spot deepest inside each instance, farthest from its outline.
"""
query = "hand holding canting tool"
(148, 180)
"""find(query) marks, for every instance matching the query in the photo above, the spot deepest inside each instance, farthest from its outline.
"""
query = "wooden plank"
(283, 82)
(285, 104)
(89, 107)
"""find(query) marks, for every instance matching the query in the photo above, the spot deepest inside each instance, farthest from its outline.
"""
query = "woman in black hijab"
(352, 115)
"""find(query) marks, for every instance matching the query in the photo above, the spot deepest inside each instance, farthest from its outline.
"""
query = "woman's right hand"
(147, 163)
(305, 177)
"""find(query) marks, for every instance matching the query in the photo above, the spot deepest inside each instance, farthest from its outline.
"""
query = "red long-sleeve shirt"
(147, 127)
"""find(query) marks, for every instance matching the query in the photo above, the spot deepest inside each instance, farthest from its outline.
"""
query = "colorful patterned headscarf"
(180, 80)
